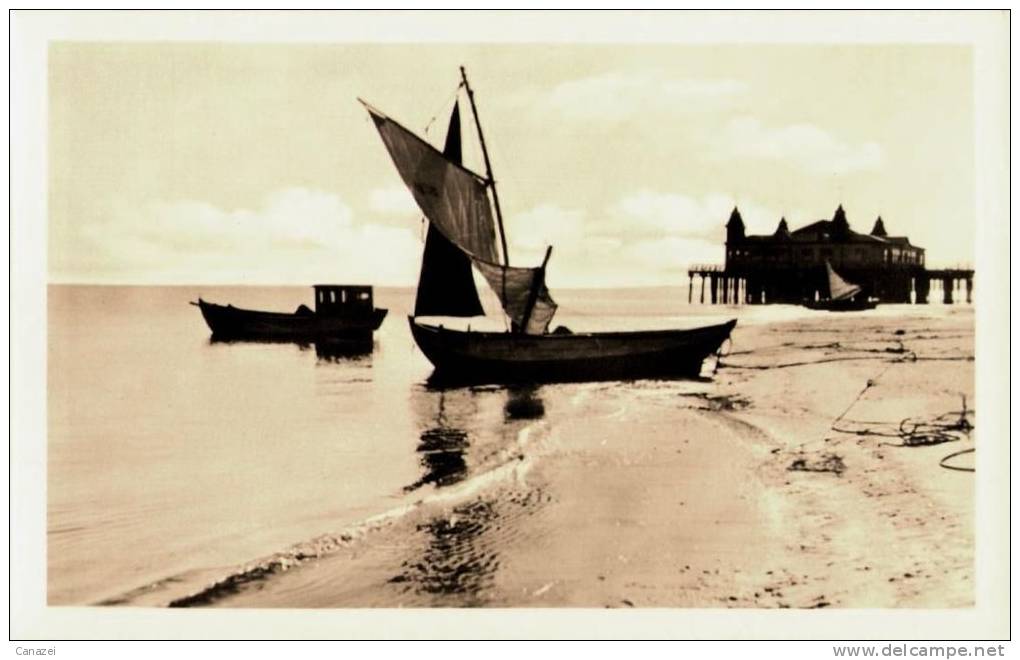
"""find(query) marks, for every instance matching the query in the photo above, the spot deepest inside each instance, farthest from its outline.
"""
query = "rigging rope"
(439, 110)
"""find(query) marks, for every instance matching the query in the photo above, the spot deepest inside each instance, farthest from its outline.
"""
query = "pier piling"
(794, 286)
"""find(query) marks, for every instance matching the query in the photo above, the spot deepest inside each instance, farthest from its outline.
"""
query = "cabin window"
(343, 296)
(332, 296)
(363, 295)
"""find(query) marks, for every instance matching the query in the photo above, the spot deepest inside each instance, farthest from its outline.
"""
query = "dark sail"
(445, 286)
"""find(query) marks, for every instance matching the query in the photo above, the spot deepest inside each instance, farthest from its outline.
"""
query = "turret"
(783, 230)
(840, 227)
(879, 228)
(735, 227)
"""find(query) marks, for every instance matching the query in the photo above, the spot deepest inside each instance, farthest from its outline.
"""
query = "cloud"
(393, 200)
(619, 95)
(601, 261)
(302, 236)
(664, 215)
(673, 255)
(546, 224)
(644, 238)
(649, 213)
(805, 145)
(295, 235)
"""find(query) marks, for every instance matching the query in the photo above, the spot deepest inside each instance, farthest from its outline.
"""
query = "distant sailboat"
(843, 296)
(461, 236)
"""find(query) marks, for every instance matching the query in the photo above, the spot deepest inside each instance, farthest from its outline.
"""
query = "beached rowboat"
(504, 357)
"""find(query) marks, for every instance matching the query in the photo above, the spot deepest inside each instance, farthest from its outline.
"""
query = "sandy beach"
(762, 488)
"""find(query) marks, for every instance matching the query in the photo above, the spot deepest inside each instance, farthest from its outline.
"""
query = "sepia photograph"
(393, 312)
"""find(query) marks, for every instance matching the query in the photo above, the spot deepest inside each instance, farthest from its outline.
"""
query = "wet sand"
(696, 503)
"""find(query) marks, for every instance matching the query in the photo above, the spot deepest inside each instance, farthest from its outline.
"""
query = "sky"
(191, 163)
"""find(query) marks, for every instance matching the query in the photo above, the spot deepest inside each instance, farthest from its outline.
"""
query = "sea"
(174, 461)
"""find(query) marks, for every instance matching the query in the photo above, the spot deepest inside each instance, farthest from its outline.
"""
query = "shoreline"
(706, 507)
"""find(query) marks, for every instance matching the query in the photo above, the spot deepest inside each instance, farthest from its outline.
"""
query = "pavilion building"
(789, 266)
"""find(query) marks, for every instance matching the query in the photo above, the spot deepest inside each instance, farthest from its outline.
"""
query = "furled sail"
(516, 288)
(445, 285)
(453, 198)
(839, 289)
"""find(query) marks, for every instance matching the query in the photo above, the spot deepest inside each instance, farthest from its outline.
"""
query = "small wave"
(511, 467)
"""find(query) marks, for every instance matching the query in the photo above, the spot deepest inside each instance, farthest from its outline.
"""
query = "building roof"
(829, 228)
(836, 230)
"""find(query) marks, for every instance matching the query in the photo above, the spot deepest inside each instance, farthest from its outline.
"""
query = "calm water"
(170, 455)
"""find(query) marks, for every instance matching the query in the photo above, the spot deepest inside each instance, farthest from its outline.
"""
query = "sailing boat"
(843, 296)
(463, 221)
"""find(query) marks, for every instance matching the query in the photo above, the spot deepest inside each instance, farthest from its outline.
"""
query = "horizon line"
(292, 285)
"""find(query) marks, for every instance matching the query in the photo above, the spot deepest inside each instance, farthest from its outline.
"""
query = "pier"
(714, 284)
(790, 266)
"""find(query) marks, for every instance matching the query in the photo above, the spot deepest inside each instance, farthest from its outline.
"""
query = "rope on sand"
(902, 353)
(911, 431)
(945, 460)
(914, 432)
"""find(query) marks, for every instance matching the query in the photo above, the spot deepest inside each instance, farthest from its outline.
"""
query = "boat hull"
(228, 322)
(499, 357)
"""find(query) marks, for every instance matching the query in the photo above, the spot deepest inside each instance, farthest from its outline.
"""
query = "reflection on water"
(460, 548)
(523, 402)
(442, 444)
(331, 350)
(442, 457)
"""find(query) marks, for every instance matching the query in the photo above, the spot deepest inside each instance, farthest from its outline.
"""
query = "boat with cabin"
(343, 313)
(463, 212)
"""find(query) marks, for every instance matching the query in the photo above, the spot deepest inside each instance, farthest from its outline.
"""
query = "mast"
(536, 285)
(488, 167)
